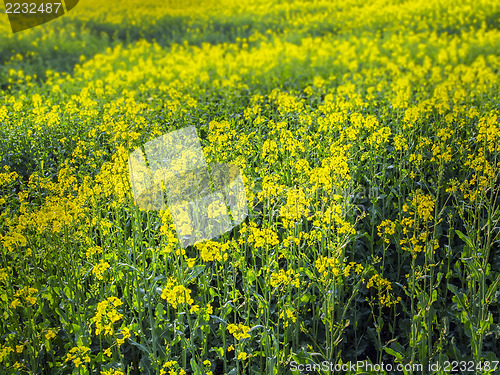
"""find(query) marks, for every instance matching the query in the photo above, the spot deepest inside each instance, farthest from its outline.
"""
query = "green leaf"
(257, 326)
(76, 328)
(194, 273)
(458, 295)
(215, 317)
(492, 289)
(197, 370)
(467, 240)
(394, 353)
(140, 346)
(160, 310)
(219, 352)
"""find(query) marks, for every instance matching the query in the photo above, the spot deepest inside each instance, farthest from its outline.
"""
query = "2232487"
(31, 8)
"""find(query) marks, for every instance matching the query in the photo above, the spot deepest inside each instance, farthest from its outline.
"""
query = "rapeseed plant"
(176, 294)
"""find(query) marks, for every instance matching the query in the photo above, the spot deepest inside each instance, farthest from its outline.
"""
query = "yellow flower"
(27, 294)
(51, 333)
(125, 335)
(212, 251)
(173, 368)
(92, 251)
(385, 229)
(4, 352)
(284, 278)
(106, 315)
(79, 355)
(262, 237)
(384, 290)
(210, 309)
(489, 131)
(243, 356)
(190, 262)
(326, 265)
(295, 208)
(99, 270)
(239, 331)
(288, 315)
(424, 205)
(112, 372)
(176, 294)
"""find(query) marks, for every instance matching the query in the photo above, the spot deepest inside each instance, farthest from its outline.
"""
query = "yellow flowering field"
(368, 135)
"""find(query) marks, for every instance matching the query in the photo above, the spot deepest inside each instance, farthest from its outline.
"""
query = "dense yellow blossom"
(261, 237)
(239, 331)
(79, 355)
(176, 294)
(106, 315)
(386, 229)
(384, 290)
(285, 278)
(99, 269)
(211, 250)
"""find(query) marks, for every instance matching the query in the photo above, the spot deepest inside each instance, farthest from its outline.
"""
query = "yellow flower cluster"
(379, 137)
(486, 174)
(326, 265)
(419, 242)
(173, 368)
(92, 252)
(26, 294)
(261, 237)
(5, 350)
(358, 268)
(242, 356)
(125, 331)
(422, 205)
(416, 238)
(288, 315)
(271, 189)
(333, 266)
(297, 206)
(411, 95)
(386, 229)
(384, 290)
(285, 278)
(99, 269)
(269, 151)
(176, 294)
(239, 331)
(112, 371)
(51, 333)
(213, 251)
(332, 218)
(216, 209)
(13, 239)
(6, 177)
(79, 355)
(106, 315)
(489, 132)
